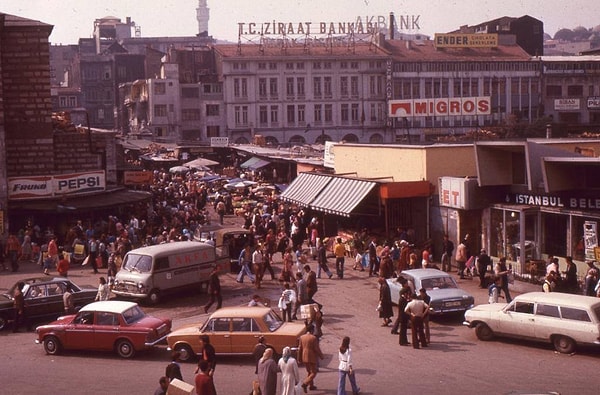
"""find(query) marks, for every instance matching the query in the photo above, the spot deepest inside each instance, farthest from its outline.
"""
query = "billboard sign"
(567, 104)
(455, 106)
(593, 103)
(461, 40)
(49, 186)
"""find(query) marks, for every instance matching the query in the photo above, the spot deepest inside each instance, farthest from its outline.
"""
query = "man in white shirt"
(417, 309)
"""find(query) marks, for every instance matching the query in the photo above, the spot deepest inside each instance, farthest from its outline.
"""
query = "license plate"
(452, 304)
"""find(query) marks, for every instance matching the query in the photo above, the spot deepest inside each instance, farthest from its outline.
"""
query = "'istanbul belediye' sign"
(366, 25)
(581, 203)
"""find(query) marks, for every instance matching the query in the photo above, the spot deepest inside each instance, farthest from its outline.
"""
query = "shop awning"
(342, 195)
(83, 203)
(305, 188)
(254, 163)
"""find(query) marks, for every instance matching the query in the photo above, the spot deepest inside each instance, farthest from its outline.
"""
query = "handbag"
(85, 261)
(379, 307)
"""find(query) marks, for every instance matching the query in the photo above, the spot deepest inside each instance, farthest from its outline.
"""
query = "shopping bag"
(85, 261)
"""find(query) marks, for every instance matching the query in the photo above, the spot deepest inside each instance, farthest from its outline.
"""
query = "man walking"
(311, 285)
(214, 289)
(340, 252)
(308, 352)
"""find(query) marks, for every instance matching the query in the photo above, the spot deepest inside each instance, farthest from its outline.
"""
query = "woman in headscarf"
(289, 372)
(267, 373)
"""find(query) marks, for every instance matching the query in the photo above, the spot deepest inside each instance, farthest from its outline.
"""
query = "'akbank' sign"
(49, 186)
(455, 106)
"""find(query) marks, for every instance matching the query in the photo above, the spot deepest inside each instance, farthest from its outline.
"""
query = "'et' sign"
(452, 192)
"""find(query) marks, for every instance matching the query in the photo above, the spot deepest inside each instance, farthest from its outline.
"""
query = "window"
(104, 318)
(244, 87)
(291, 115)
(262, 87)
(318, 115)
(328, 112)
(354, 112)
(289, 86)
(273, 87)
(190, 114)
(274, 114)
(300, 66)
(62, 100)
(354, 65)
(345, 113)
(301, 113)
(212, 110)
(547, 310)
(262, 66)
(159, 88)
(343, 65)
(344, 86)
(575, 90)
(101, 113)
(300, 86)
(354, 86)
(570, 313)
(327, 65)
(212, 131)
(218, 325)
(317, 65)
(242, 324)
(554, 90)
(241, 115)
(317, 86)
(263, 117)
(272, 66)
(72, 101)
(327, 86)
(189, 93)
(289, 66)
(523, 307)
(85, 318)
(160, 110)
(236, 87)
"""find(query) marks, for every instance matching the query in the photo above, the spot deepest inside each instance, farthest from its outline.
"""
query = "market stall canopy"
(254, 163)
(179, 169)
(200, 163)
(240, 184)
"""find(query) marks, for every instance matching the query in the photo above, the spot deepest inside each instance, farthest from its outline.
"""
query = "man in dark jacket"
(214, 289)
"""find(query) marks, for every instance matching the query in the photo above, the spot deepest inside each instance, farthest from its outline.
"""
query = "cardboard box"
(307, 311)
(178, 387)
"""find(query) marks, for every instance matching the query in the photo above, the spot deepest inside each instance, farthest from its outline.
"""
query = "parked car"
(235, 330)
(104, 326)
(565, 320)
(44, 298)
(446, 297)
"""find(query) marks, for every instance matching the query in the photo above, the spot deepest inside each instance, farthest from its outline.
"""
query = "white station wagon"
(565, 320)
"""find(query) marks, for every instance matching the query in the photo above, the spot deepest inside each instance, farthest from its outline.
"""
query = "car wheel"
(153, 297)
(563, 344)
(125, 349)
(186, 354)
(3, 322)
(484, 332)
(52, 345)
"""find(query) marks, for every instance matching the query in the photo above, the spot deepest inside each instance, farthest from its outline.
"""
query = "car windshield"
(438, 283)
(138, 263)
(133, 314)
(273, 322)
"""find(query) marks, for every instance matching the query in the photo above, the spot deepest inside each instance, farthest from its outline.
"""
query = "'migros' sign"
(37, 187)
(455, 106)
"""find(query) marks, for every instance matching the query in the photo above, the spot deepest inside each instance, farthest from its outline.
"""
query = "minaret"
(202, 15)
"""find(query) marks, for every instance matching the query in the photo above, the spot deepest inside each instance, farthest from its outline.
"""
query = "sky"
(74, 19)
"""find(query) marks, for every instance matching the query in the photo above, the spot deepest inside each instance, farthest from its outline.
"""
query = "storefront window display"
(504, 237)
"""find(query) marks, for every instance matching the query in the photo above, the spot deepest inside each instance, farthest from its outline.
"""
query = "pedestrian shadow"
(328, 319)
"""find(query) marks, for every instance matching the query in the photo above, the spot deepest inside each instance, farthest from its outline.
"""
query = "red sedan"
(104, 326)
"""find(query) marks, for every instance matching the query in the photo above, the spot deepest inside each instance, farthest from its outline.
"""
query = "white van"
(151, 272)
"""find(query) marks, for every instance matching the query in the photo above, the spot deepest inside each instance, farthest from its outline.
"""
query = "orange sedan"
(235, 331)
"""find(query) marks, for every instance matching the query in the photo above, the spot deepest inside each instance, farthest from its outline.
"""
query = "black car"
(44, 298)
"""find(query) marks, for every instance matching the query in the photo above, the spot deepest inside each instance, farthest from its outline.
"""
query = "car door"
(54, 299)
(219, 331)
(106, 330)
(79, 334)
(36, 301)
(244, 335)
(517, 320)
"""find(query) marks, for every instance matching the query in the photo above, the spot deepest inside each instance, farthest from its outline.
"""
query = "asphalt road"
(455, 363)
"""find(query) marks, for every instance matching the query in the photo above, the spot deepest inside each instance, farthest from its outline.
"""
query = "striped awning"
(342, 195)
(305, 188)
(254, 163)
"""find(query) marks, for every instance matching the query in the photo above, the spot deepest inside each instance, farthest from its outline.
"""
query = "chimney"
(392, 27)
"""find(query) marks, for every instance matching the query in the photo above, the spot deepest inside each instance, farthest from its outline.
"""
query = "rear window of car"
(570, 313)
(133, 314)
